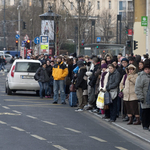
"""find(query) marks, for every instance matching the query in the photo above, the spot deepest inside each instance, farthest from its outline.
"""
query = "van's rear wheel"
(9, 92)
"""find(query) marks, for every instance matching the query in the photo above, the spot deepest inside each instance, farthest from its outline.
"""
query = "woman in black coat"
(113, 88)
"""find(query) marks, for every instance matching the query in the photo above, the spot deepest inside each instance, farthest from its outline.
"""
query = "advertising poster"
(47, 28)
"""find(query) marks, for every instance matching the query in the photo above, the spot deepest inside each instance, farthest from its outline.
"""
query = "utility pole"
(4, 26)
(79, 7)
(18, 8)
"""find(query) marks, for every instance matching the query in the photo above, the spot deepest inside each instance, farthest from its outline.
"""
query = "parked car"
(21, 76)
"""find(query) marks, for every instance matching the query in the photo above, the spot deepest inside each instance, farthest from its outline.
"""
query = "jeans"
(59, 84)
(113, 109)
(2, 65)
(42, 88)
(46, 88)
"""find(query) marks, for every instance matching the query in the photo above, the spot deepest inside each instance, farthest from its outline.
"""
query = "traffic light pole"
(19, 26)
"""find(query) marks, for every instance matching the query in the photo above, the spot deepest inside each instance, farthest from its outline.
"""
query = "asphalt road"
(30, 123)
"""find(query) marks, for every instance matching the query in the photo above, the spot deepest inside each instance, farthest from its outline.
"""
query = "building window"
(110, 33)
(71, 5)
(98, 5)
(89, 5)
(122, 5)
(130, 5)
(109, 4)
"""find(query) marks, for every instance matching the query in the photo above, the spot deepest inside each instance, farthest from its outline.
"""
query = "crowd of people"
(125, 80)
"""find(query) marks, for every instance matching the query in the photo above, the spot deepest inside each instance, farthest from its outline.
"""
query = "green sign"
(44, 46)
(144, 21)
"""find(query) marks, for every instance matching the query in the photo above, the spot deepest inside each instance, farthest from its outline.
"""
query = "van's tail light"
(12, 71)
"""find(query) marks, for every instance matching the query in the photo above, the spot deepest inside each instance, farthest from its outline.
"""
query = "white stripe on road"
(1, 122)
(49, 123)
(5, 107)
(38, 137)
(17, 112)
(121, 148)
(98, 139)
(17, 128)
(59, 147)
(73, 130)
(31, 117)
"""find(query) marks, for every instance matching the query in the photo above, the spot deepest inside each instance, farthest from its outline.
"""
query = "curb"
(124, 129)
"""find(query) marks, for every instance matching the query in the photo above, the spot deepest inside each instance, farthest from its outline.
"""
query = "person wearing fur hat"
(130, 99)
(142, 91)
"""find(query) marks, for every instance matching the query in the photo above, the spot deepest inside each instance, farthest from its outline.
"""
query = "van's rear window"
(26, 67)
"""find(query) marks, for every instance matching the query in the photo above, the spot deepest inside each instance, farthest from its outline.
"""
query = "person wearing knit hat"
(104, 66)
(125, 63)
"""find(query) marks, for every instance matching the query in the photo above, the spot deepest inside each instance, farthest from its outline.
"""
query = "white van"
(21, 76)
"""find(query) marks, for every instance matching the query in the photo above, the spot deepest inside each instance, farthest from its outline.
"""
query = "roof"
(27, 60)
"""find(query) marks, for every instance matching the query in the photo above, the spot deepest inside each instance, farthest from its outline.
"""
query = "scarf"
(102, 79)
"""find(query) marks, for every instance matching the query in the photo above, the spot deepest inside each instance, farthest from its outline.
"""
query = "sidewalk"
(135, 130)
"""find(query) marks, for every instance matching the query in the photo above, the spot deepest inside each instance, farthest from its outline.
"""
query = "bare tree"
(106, 25)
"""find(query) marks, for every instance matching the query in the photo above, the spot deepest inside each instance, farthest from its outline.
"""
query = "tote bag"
(100, 100)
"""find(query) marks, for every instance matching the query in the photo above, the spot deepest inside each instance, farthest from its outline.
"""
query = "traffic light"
(97, 46)
(16, 42)
(135, 45)
(128, 43)
(24, 25)
(27, 44)
(82, 42)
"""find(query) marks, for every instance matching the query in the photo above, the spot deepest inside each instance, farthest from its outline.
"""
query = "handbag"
(72, 87)
(121, 92)
(107, 98)
(100, 100)
(114, 93)
(36, 77)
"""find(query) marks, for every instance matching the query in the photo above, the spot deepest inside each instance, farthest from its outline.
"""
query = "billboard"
(47, 28)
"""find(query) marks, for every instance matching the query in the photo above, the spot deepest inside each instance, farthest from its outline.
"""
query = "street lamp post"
(4, 26)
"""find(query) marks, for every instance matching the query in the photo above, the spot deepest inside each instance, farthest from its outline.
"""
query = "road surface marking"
(1, 122)
(121, 148)
(59, 147)
(17, 128)
(49, 123)
(11, 114)
(73, 130)
(17, 112)
(31, 117)
(98, 139)
(5, 107)
(38, 137)
(34, 105)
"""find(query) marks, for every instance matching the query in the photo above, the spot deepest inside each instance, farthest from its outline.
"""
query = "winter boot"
(138, 122)
(130, 121)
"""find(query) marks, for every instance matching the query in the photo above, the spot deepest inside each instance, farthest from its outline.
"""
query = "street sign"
(44, 46)
(17, 36)
(44, 39)
(26, 37)
(23, 43)
(98, 39)
(37, 40)
(144, 21)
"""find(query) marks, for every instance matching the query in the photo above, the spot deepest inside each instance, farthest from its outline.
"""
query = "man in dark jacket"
(42, 78)
(81, 85)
